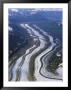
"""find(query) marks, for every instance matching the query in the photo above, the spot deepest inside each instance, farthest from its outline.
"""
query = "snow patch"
(14, 10)
(10, 28)
(59, 71)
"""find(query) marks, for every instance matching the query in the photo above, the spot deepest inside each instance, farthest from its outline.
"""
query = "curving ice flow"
(25, 66)
(18, 61)
(15, 68)
(35, 32)
(43, 69)
(40, 72)
(38, 63)
(22, 64)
